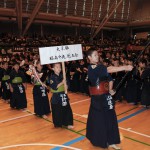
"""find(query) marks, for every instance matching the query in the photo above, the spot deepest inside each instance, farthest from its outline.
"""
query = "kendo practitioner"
(40, 96)
(117, 77)
(145, 77)
(61, 110)
(74, 77)
(68, 76)
(4, 82)
(102, 127)
(84, 77)
(132, 85)
(24, 66)
(17, 85)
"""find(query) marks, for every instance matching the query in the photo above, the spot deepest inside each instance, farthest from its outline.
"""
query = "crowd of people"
(18, 69)
(76, 72)
(9, 42)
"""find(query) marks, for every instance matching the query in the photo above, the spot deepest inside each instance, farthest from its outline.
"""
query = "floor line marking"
(129, 130)
(132, 115)
(81, 130)
(147, 144)
(79, 121)
(127, 111)
(87, 99)
(83, 116)
(15, 118)
(70, 142)
(39, 144)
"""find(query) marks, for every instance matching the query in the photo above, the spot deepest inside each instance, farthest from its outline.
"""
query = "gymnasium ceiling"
(96, 13)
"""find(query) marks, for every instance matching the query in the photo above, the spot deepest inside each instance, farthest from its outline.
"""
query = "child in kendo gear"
(4, 82)
(61, 110)
(102, 127)
(40, 92)
(17, 85)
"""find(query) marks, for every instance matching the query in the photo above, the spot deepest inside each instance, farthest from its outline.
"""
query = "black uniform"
(4, 78)
(18, 99)
(84, 79)
(117, 77)
(102, 127)
(132, 88)
(68, 77)
(145, 98)
(40, 97)
(75, 78)
(61, 110)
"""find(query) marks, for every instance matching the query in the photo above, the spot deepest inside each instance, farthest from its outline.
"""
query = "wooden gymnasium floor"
(24, 131)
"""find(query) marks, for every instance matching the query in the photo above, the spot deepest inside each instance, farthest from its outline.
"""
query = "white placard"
(62, 53)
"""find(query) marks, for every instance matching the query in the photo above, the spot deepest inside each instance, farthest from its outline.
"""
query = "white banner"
(62, 53)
